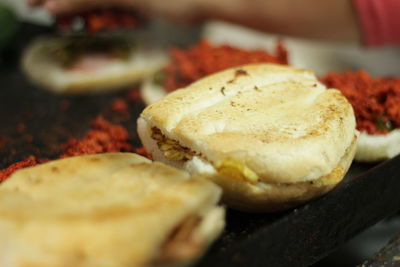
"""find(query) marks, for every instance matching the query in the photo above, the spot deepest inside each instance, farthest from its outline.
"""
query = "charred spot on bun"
(271, 136)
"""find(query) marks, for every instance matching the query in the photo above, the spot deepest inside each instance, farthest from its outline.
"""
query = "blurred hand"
(68, 6)
(176, 10)
(329, 19)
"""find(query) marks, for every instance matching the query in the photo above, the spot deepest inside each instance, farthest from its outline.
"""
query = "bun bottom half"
(43, 70)
(374, 148)
(263, 197)
(240, 194)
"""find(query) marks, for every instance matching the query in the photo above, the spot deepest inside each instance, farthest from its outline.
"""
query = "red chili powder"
(189, 65)
(142, 151)
(119, 105)
(28, 162)
(102, 20)
(134, 96)
(103, 137)
(21, 128)
(375, 100)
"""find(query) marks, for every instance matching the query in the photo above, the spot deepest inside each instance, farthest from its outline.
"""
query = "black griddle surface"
(299, 237)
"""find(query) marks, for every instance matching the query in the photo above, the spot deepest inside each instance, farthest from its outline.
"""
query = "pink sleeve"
(379, 21)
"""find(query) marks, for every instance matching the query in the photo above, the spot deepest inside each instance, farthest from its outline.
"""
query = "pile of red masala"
(102, 137)
(102, 20)
(189, 65)
(376, 101)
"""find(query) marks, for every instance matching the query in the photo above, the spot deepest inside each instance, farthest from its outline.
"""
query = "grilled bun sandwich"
(116, 209)
(271, 136)
(82, 64)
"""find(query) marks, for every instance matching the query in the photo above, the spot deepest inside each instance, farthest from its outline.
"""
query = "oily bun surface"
(278, 122)
(43, 70)
(100, 210)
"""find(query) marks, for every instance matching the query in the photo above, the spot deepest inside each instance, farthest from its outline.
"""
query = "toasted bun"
(373, 148)
(255, 125)
(151, 92)
(116, 209)
(43, 70)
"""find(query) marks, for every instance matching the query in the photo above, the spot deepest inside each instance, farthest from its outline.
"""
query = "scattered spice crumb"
(3, 140)
(28, 138)
(223, 90)
(64, 105)
(240, 72)
(21, 127)
(119, 105)
(103, 137)
(142, 151)
(134, 95)
(28, 162)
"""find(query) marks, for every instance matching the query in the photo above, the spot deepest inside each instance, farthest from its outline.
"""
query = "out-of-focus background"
(318, 56)
(37, 15)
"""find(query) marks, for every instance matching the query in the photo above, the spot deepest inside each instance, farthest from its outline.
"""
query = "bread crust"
(274, 124)
(112, 209)
(44, 71)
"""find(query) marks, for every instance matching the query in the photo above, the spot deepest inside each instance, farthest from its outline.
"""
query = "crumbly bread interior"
(116, 209)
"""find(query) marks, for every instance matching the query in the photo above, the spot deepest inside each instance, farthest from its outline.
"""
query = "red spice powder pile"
(142, 151)
(375, 100)
(102, 20)
(189, 65)
(103, 137)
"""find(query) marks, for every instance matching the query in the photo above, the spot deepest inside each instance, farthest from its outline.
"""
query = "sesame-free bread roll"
(271, 136)
(102, 72)
(116, 209)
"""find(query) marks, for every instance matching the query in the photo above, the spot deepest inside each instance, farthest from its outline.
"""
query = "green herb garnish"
(383, 124)
(159, 78)
(71, 49)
